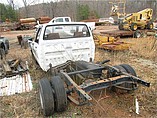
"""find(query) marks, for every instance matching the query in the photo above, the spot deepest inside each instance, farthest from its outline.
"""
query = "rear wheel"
(59, 93)
(129, 69)
(122, 88)
(133, 26)
(150, 25)
(46, 97)
(137, 34)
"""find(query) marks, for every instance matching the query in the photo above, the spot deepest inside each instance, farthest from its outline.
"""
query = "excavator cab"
(141, 19)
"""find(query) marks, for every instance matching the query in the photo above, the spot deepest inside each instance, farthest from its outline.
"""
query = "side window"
(140, 16)
(66, 19)
(38, 35)
(59, 20)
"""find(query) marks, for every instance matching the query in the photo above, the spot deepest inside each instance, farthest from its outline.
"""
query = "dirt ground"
(141, 56)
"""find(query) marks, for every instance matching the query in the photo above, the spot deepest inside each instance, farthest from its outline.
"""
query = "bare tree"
(11, 3)
(53, 6)
(26, 4)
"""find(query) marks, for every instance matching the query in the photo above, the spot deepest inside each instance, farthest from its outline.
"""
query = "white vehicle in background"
(60, 19)
(107, 20)
(55, 20)
(55, 43)
(91, 25)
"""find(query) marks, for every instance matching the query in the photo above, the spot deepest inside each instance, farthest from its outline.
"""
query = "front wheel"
(150, 25)
(137, 34)
(133, 27)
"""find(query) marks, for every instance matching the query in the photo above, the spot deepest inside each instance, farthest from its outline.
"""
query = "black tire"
(137, 34)
(59, 93)
(133, 26)
(7, 44)
(114, 74)
(2, 53)
(150, 25)
(6, 50)
(120, 27)
(124, 68)
(46, 97)
(129, 69)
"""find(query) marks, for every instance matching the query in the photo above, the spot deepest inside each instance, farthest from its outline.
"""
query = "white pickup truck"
(66, 49)
(55, 43)
(60, 19)
(91, 25)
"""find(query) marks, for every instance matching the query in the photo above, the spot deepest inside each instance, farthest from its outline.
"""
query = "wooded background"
(80, 9)
(84, 9)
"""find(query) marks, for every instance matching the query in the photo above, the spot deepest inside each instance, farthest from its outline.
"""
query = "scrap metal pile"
(110, 43)
(14, 77)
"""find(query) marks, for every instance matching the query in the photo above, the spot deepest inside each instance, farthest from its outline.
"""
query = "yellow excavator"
(141, 19)
(133, 21)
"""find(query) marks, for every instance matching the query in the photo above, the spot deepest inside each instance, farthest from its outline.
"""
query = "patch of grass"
(28, 104)
(145, 47)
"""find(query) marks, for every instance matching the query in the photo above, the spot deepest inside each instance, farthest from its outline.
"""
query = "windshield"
(66, 31)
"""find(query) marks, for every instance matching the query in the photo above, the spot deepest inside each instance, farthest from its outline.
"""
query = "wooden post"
(6, 67)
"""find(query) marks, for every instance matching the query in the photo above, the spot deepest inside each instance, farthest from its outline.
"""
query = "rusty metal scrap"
(12, 67)
(110, 43)
(14, 78)
(15, 84)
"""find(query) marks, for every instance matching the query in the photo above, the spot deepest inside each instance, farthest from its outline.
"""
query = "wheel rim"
(138, 35)
(135, 27)
(151, 26)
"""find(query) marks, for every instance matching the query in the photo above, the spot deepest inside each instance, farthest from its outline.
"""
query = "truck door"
(35, 44)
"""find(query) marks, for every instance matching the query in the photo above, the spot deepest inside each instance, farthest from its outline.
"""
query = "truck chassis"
(75, 80)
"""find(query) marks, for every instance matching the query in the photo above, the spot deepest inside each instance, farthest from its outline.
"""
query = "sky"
(19, 3)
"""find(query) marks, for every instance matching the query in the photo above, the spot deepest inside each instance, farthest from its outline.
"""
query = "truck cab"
(57, 43)
(60, 19)
(91, 25)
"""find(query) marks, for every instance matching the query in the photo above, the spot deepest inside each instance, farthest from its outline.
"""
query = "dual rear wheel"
(53, 95)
